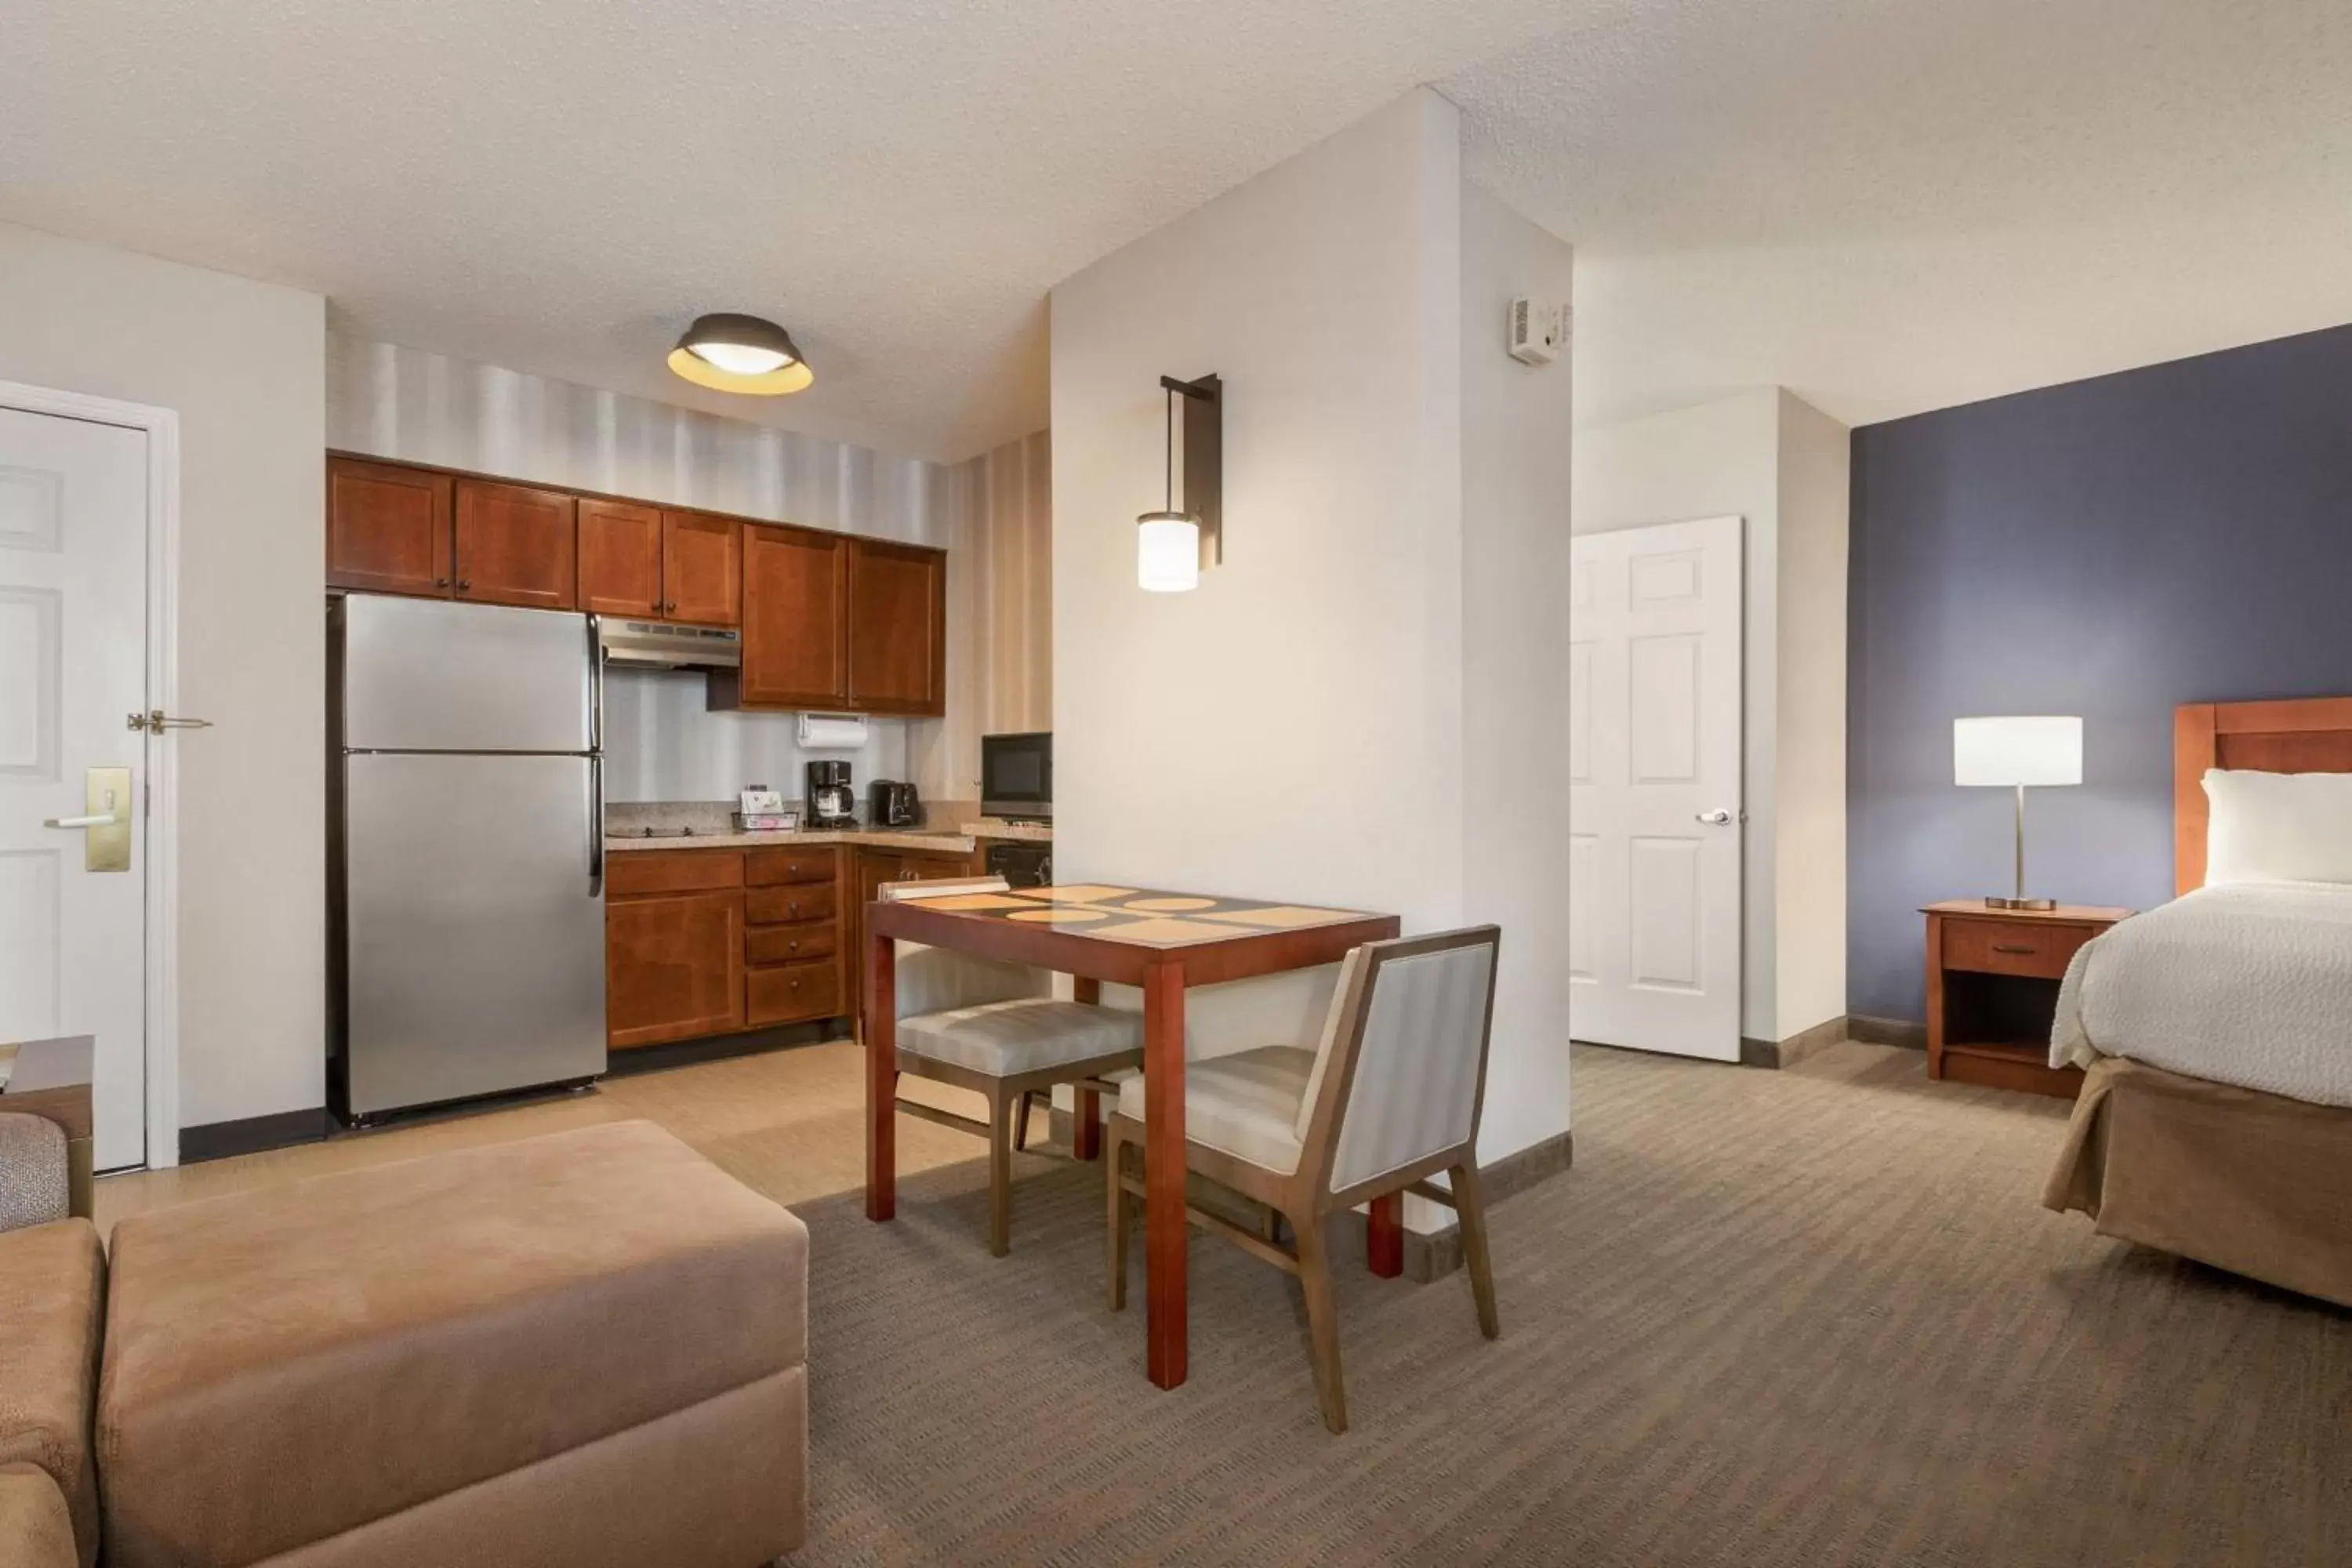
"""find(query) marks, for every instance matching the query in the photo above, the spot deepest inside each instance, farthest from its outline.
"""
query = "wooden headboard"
(2313, 735)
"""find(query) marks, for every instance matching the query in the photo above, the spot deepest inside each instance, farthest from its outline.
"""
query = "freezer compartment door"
(424, 676)
(475, 925)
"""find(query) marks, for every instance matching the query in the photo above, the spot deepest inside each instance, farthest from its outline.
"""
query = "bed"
(2215, 1034)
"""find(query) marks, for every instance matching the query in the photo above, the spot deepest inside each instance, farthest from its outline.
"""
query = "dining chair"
(1388, 1098)
(995, 1029)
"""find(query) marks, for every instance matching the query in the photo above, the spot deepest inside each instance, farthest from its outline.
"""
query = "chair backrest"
(1403, 1064)
(938, 979)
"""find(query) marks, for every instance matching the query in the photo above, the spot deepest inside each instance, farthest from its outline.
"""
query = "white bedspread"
(2248, 984)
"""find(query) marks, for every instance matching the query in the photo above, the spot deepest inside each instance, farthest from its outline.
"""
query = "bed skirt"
(2252, 1183)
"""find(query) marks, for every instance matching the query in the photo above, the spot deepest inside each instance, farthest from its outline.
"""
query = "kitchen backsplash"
(663, 744)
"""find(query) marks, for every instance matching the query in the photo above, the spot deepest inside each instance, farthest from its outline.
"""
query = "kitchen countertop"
(880, 839)
(949, 827)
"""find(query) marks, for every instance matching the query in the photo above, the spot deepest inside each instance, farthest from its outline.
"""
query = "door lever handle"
(1715, 819)
(103, 819)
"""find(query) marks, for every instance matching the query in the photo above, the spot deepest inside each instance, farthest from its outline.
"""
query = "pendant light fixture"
(728, 352)
(1171, 546)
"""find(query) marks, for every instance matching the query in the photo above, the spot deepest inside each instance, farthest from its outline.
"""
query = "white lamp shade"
(2017, 751)
(1166, 552)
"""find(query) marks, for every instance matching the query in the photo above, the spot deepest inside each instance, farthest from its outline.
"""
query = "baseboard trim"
(1438, 1253)
(1774, 1055)
(1887, 1032)
(252, 1134)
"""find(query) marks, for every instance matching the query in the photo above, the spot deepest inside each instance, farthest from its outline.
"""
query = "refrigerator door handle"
(596, 825)
(595, 686)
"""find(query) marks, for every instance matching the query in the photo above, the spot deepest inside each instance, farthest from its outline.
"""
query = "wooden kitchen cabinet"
(620, 559)
(796, 647)
(516, 545)
(830, 622)
(702, 569)
(672, 966)
(387, 527)
(897, 628)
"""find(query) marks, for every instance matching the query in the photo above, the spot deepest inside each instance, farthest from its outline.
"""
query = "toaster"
(890, 804)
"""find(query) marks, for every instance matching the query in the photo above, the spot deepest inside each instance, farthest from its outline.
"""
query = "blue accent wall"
(2111, 548)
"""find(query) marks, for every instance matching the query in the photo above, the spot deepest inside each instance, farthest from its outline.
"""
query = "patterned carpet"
(1777, 1320)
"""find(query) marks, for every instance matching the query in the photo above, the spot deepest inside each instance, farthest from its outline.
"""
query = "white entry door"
(1655, 815)
(73, 668)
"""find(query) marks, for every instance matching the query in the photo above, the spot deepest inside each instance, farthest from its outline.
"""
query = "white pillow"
(2277, 828)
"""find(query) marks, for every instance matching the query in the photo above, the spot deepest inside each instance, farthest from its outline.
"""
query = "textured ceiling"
(559, 187)
(1892, 206)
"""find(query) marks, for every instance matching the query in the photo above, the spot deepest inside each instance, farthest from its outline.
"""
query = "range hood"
(656, 645)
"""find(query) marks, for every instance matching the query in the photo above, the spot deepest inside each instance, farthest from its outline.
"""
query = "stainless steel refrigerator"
(466, 854)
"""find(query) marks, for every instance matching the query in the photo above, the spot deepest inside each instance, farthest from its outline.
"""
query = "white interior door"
(73, 666)
(1655, 815)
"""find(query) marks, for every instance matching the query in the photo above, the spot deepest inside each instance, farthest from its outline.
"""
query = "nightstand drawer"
(1995, 946)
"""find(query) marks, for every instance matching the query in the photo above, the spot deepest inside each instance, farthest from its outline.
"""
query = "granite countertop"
(881, 838)
(951, 827)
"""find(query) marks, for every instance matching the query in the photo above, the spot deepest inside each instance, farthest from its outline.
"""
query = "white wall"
(1767, 457)
(1808, 720)
(1516, 420)
(1310, 722)
(242, 364)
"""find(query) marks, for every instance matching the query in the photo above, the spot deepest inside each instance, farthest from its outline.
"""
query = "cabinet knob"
(440, 582)
(464, 584)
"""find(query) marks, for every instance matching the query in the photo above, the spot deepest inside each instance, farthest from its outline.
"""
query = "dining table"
(1159, 941)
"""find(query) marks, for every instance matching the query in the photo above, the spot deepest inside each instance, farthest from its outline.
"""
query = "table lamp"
(2012, 753)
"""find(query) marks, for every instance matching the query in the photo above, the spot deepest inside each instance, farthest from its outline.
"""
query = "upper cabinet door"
(516, 546)
(620, 558)
(897, 628)
(387, 527)
(795, 649)
(702, 568)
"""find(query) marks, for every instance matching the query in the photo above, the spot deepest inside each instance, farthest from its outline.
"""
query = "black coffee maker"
(832, 800)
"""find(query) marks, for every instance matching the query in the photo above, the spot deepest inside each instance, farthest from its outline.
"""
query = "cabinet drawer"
(770, 868)
(634, 872)
(2012, 947)
(790, 904)
(794, 992)
(792, 944)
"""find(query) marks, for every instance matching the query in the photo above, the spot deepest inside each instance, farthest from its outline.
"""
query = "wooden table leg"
(1384, 1236)
(1166, 1232)
(881, 1078)
(1086, 1123)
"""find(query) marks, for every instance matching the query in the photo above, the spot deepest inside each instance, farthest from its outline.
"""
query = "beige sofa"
(583, 1349)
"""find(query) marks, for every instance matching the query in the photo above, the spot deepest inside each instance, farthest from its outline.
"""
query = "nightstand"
(1993, 990)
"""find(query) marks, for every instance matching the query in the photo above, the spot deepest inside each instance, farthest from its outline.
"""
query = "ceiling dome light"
(741, 354)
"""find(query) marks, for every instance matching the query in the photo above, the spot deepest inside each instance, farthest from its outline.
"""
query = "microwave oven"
(1016, 776)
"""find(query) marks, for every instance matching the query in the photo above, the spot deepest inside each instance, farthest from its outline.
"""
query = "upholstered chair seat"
(996, 1030)
(1245, 1104)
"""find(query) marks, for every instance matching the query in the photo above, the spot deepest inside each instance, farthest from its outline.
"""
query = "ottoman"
(587, 1348)
(52, 1306)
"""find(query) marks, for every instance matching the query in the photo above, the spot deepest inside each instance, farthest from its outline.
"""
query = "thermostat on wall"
(1537, 331)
